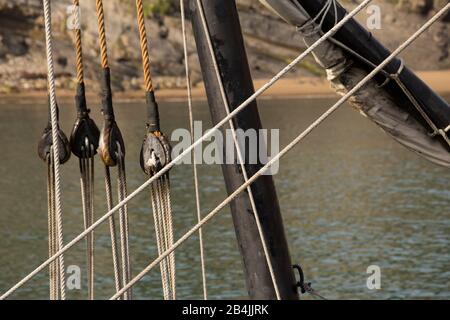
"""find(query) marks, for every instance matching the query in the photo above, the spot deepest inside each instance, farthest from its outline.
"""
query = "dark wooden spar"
(225, 31)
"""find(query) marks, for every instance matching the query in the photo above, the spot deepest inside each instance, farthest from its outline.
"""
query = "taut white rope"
(52, 231)
(123, 221)
(87, 199)
(207, 135)
(55, 145)
(286, 149)
(194, 160)
(157, 216)
(112, 230)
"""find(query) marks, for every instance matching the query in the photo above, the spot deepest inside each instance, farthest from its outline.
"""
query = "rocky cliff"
(269, 41)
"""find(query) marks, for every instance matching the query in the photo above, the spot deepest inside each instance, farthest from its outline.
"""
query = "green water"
(350, 198)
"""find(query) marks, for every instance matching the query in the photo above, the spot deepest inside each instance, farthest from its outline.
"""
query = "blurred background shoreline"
(286, 88)
(270, 44)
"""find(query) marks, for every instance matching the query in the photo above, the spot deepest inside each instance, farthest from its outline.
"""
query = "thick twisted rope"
(189, 149)
(52, 230)
(144, 46)
(194, 160)
(288, 148)
(102, 33)
(55, 145)
(78, 47)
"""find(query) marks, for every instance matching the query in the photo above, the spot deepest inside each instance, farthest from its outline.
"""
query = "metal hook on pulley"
(155, 151)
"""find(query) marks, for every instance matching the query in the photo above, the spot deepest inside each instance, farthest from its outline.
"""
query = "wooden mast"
(225, 31)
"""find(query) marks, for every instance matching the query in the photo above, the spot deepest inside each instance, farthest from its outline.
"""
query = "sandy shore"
(284, 88)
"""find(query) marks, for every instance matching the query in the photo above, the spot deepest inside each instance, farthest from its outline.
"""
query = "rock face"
(417, 6)
(18, 19)
(270, 42)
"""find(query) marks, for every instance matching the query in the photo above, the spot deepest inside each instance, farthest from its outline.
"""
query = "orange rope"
(79, 50)
(102, 34)
(144, 46)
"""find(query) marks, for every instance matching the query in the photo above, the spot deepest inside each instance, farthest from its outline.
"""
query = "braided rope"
(53, 285)
(54, 230)
(55, 145)
(144, 46)
(78, 47)
(102, 34)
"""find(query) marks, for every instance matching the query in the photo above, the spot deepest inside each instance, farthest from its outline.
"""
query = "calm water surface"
(350, 198)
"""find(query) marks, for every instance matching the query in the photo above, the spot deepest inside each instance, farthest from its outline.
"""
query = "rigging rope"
(78, 46)
(58, 282)
(144, 46)
(123, 222)
(52, 241)
(87, 198)
(322, 13)
(102, 34)
(164, 235)
(155, 153)
(238, 149)
(189, 149)
(112, 230)
(193, 157)
(286, 149)
(112, 152)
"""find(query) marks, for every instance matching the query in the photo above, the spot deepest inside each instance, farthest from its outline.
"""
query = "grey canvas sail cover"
(371, 101)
